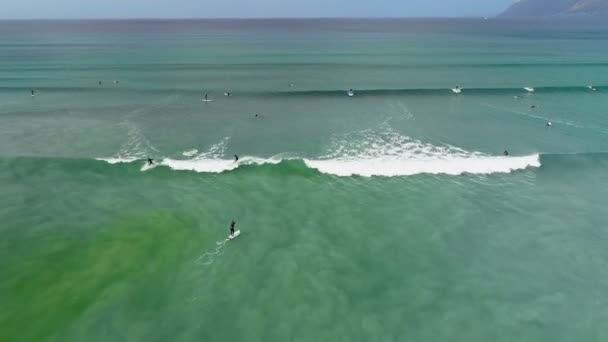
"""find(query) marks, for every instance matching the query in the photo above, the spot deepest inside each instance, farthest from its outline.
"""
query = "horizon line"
(250, 18)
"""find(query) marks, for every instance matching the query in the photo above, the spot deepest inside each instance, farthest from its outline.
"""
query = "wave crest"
(383, 152)
(388, 153)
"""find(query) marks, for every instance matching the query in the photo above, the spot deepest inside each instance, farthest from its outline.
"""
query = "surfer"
(257, 116)
(350, 93)
(227, 93)
(236, 158)
(549, 124)
(232, 223)
(532, 106)
(506, 153)
(150, 161)
(99, 82)
(32, 90)
(206, 99)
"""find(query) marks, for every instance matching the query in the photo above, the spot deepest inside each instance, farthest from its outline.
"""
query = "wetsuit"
(232, 228)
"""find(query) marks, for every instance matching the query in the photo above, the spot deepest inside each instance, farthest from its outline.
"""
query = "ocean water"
(391, 215)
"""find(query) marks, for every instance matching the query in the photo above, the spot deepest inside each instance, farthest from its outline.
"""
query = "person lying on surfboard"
(232, 223)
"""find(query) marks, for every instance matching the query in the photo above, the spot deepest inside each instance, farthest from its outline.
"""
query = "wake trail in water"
(208, 257)
(544, 118)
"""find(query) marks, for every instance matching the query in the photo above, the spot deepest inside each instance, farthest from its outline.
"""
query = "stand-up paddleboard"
(529, 89)
(234, 236)
(207, 100)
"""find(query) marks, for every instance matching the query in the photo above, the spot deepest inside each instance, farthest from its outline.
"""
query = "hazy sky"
(247, 8)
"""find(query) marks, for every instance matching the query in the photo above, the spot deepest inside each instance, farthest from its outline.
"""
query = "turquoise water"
(392, 215)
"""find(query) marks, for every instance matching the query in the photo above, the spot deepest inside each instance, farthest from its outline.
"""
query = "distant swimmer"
(232, 223)
(236, 158)
(350, 93)
(291, 85)
(150, 161)
(99, 82)
(532, 106)
(506, 153)
(115, 82)
(32, 91)
(549, 124)
(256, 116)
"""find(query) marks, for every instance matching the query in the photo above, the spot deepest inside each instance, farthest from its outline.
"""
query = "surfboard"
(147, 166)
(232, 237)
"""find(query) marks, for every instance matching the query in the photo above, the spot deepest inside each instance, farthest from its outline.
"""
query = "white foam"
(374, 152)
(201, 165)
(190, 153)
(117, 160)
(390, 167)
(387, 153)
(136, 146)
(529, 89)
(215, 165)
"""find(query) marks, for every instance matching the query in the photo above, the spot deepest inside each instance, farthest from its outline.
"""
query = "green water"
(391, 215)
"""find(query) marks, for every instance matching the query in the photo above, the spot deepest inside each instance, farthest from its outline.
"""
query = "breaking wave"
(374, 152)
